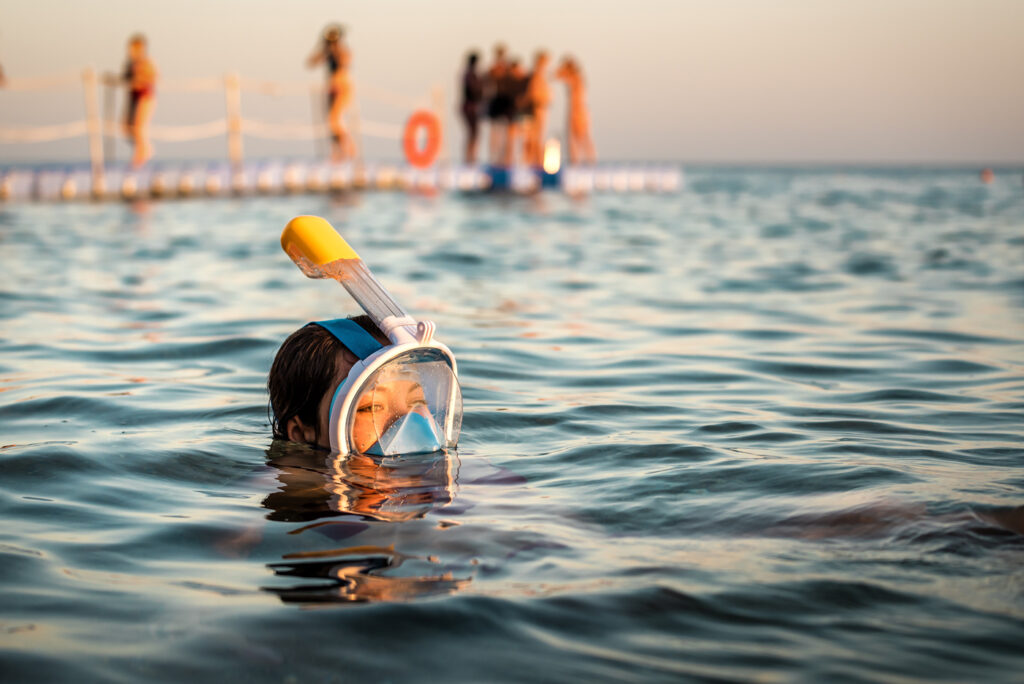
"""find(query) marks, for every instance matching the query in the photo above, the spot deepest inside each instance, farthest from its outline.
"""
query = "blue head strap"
(352, 335)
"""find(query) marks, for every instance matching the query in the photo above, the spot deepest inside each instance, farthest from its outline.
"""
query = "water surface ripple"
(768, 428)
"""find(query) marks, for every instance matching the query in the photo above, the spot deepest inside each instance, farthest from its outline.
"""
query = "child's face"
(376, 409)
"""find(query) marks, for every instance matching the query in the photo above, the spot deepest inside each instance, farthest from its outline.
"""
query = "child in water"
(378, 384)
(388, 411)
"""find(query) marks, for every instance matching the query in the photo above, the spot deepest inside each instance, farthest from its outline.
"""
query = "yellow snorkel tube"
(317, 248)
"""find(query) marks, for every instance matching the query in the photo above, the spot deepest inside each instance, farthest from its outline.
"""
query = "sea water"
(768, 428)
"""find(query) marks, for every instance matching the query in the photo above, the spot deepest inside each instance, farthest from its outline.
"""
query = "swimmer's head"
(381, 394)
(306, 372)
(405, 402)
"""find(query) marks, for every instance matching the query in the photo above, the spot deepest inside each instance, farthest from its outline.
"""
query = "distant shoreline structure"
(63, 183)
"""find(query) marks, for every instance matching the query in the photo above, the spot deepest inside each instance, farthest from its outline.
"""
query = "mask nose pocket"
(413, 433)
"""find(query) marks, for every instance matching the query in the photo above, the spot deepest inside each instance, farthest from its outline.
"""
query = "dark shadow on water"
(344, 496)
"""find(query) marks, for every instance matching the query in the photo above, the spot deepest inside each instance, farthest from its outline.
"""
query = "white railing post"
(94, 125)
(233, 107)
(110, 84)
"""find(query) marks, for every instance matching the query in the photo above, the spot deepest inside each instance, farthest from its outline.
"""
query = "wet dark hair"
(303, 370)
(472, 59)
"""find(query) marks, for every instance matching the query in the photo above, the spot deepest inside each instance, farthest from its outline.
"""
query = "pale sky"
(798, 81)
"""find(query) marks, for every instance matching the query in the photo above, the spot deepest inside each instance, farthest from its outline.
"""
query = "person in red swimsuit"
(140, 76)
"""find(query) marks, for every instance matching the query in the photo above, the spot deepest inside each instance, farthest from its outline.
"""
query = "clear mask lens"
(410, 405)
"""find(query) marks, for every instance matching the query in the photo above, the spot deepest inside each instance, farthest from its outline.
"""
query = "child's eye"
(370, 409)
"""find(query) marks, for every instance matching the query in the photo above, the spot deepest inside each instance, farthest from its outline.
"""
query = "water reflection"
(358, 576)
(363, 494)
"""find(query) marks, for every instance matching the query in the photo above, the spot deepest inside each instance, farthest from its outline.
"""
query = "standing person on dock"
(472, 104)
(499, 105)
(515, 83)
(581, 147)
(140, 76)
(535, 109)
(337, 56)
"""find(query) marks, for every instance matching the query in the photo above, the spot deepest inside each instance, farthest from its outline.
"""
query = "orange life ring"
(422, 158)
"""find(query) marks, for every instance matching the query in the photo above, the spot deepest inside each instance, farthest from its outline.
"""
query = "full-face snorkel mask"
(401, 398)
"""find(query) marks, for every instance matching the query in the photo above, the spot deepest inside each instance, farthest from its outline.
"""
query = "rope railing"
(282, 131)
(191, 85)
(172, 85)
(40, 134)
(390, 97)
(51, 82)
(102, 127)
(300, 131)
(376, 129)
(183, 133)
(71, 80)
(267, 87)
(210, 129)
(255, 128)
(279, 88)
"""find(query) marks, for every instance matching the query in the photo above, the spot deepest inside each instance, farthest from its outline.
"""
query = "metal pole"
(233, 106)
(94, 125)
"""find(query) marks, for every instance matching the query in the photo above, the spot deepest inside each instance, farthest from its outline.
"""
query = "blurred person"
(581, 147)
(3, 80)
(987, 176)
(333, 51)
(536, 105)
(140, 76)
(472, 104)
(499, 104)
(515, 84)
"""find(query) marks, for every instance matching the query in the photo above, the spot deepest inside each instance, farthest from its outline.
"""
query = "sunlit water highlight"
(767, 428)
